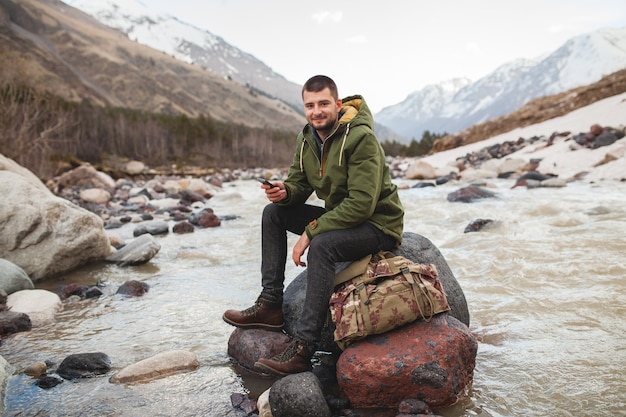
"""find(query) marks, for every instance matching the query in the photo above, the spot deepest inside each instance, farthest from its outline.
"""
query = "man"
(339, 158)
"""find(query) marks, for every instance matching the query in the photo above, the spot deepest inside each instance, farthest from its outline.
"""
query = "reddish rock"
(206, 218)
(73, 289)
(469, 194)
(133, 288)
(246, 346)
(183, 227)
(429, 361)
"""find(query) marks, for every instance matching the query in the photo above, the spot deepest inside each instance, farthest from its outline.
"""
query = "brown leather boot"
(262, 315)
(294, 359)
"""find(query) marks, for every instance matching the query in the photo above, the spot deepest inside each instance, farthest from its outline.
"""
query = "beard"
(323, 126)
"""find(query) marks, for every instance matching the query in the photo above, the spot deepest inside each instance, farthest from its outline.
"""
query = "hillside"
(537, 111)
(52, 46)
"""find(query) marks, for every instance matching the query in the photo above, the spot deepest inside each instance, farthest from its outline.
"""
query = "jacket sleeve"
(365, 168)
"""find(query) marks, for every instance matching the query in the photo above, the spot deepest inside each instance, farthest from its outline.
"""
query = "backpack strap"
(355, 269)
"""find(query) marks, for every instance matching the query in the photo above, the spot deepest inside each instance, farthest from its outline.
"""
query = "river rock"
(84, 365)
(13, 278)
(205, 189)
(183, 227)
(205, 218)
(246, 346)
(415, 247)
(431, 361)
(138, 251)
(14, 322)
(36, 369)
(6, 370)
(421, 170)
(244, 403)
(476, 174)
(134, 167)
(158, 366)
(469, 194)
(46, 235)
(298, 395)
(48, 381)
(133, 288)
(95, 195)
(477, 225)
(84, 176)
(153, 227)
(263, 404)
(39, 305)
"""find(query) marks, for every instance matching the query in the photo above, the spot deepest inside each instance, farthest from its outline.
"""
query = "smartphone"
(266, 182)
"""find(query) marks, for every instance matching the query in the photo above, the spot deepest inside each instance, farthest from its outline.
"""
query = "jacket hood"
(354, 112)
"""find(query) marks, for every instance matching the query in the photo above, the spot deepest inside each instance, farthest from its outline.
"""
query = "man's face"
(321, 110)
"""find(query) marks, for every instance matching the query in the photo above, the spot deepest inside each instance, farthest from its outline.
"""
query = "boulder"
(246, 346)
(415, 247)
(45, 235)
(13, 278)
(158, 366)
(429, 361)
(7, 164)
(39, 305)
(298, 395)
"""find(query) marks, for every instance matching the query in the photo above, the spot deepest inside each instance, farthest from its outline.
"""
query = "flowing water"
(545, 285)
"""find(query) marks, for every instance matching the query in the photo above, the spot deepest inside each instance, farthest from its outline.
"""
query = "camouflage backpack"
(382, 292)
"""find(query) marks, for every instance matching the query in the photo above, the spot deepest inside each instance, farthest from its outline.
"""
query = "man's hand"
(299, 248)
(275, 193)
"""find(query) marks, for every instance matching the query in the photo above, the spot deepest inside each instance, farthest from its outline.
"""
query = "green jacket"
(351, 176)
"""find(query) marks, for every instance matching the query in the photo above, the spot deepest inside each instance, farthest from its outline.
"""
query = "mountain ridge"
(65, 51)
(580, 61)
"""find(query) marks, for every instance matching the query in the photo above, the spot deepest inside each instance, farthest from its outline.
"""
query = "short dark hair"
(318, 83)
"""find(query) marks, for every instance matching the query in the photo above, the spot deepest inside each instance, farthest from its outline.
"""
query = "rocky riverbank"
(49, 230)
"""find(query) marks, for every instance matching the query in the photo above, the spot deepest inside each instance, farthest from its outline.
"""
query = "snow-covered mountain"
(191, 44)
(582, 60)
(450, 106)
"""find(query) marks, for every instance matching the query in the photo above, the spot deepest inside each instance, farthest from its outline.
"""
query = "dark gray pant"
(325, 250)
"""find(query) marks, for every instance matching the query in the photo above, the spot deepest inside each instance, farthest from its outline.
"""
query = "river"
(545, 285)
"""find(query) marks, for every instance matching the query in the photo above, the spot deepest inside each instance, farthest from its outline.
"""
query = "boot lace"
(288, 353)
(251, 310)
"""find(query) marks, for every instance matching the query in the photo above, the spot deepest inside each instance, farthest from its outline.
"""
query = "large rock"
(298, 395)
(414, 247)
(429, 361)
(9, 165)
(158, 366)
(46, 235)
(246, 346)
(13, 278)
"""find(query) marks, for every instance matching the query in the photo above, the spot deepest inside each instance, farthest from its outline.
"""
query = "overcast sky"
(387, 49)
